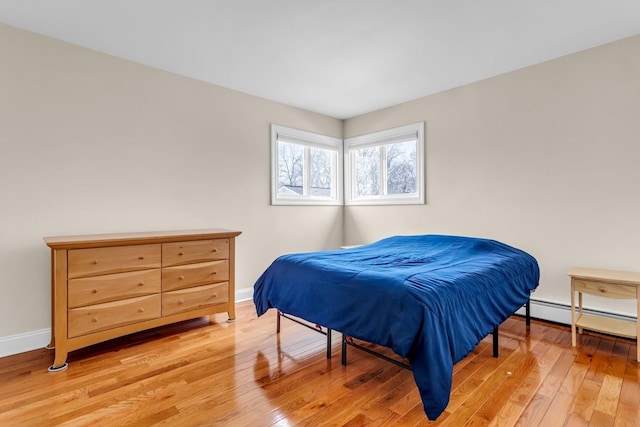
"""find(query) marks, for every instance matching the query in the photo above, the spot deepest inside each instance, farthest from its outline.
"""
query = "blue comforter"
(430, 298)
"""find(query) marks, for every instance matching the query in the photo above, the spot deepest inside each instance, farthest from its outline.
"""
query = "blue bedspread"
(430, 298)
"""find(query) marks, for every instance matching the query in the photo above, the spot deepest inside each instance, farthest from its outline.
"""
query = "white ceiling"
(337, 57)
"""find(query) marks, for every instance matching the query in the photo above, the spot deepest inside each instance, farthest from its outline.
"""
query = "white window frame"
(385, 137)
(307, 140)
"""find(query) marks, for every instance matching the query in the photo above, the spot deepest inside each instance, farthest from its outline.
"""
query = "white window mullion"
(382, 178)
(334, 176)
(306, 176)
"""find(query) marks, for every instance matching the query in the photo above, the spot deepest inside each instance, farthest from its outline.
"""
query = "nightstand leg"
(637, 328)
(573, 314)
(580, 310)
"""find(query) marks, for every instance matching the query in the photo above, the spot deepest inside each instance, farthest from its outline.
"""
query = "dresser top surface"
(143, 237)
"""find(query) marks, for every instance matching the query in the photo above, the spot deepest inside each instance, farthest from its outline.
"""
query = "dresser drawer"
(186, 276)
(195, 251)
(194, 298)
(111, 287)
(115, 259)
(109, 315)
(605, 289)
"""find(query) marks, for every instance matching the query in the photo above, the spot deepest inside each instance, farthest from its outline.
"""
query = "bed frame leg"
(495, 342)
(278, 322)
(317, 328)
(344, 350)
(528, 313)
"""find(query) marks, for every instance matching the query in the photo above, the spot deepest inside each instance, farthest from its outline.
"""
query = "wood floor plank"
(491, 407)
(628, 412)
(546, 356)
(206, 372)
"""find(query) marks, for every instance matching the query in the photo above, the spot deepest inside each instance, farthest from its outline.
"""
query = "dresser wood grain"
(108, 285)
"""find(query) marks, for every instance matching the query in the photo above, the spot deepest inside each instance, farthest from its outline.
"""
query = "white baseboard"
(14, 344)
(20, 343)
(561, 313)
(244, 294)
(544, 310)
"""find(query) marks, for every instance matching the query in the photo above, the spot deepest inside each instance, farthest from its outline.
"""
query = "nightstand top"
(612, 276)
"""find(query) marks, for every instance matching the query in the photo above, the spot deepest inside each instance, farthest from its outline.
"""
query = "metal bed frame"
(348, 341)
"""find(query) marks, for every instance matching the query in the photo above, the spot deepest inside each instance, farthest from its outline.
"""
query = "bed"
(430, 298)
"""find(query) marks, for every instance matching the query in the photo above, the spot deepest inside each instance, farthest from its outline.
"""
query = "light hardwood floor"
(241, 374)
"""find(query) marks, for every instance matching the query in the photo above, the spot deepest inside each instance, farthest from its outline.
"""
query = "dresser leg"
(231, 313)
(52, 342)
(60, 359)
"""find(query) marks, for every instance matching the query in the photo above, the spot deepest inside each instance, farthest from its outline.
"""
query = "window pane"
(367, 171)
(401, 168)
(321, 171)
(290, 169)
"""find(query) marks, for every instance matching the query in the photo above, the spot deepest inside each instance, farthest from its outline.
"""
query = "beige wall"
(545, 158)
(91, 143)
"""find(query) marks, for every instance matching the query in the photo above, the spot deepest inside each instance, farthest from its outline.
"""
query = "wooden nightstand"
(607, 284)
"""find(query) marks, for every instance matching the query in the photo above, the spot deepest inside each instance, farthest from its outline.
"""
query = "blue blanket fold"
(430, 298)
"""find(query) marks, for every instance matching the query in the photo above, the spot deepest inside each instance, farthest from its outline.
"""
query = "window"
(306, 168)
(385, 167)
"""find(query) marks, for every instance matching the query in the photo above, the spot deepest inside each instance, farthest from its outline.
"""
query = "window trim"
(384, 137)
(310, 140)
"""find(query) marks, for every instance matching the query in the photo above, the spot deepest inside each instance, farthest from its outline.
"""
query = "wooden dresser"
(108, 285)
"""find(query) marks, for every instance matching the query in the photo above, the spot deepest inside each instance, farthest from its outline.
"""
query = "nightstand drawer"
(100, 317)
(194, 298)
(186, 276)
(605, 289)
(111, 287)
(115, 259)
(195, 251)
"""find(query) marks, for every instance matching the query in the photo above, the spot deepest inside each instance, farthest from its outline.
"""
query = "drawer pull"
(181, 278)
(94, 291)
(141, 284)
(140, 257)
(141, 310)
(603, 289)
(215, 295)
(214, 250)
(180, 253)
(214, 273)
(181, 301)
(94, 262)
(94, 320)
